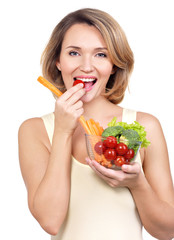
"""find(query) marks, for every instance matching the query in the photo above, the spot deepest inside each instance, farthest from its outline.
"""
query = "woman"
(70, 195)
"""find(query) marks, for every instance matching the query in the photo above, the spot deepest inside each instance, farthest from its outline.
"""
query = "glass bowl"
(111, 152)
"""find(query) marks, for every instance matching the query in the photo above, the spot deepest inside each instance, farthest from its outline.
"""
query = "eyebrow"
(98, 48)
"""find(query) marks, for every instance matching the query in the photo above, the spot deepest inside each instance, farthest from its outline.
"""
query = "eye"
(103, 55)
(73, 53)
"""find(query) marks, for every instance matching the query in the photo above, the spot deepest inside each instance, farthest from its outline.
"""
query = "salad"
(119, 143)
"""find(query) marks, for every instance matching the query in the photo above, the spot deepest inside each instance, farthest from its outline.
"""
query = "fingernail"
(81, 84)
(125, 167)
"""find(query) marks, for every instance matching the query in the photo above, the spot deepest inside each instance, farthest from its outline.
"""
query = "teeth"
(86, 79)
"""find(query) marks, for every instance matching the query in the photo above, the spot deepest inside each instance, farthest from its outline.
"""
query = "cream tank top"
(96, 210)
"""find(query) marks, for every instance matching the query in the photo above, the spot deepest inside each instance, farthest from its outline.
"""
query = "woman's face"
(84, 56)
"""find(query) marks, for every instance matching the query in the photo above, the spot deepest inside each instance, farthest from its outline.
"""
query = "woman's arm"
(154, 196)
(45, 168)
(46, 175)
(153, 192)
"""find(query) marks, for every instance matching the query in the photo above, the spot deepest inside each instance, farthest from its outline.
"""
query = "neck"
(96, 107)
(102, 111)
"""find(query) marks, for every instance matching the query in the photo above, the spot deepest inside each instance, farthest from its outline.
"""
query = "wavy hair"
(119, 50)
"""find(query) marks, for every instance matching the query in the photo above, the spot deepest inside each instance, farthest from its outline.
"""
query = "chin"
(89, 97)
(86, 99)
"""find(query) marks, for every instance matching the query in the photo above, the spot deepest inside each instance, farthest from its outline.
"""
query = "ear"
(58, 65)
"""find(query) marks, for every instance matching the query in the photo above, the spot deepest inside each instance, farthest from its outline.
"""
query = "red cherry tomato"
(120, 160)
(121, 149)
(130, 154)
(110, 154)
(110, 142)
(127, 161)
(77, 82)
(99, 147)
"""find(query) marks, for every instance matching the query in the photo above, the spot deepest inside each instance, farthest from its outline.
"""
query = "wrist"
(62, 132)
(61, 141)
(139, 184)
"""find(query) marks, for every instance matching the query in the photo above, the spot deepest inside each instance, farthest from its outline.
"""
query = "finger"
(77, 105)
(133, 168)
(70, 92)
(79, 112)
(75, 97)
(103, 170)
(76, 110)
(114, 178)
(89, 161)
(107, 173)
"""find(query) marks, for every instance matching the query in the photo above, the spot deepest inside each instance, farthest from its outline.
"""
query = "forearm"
(51, 199)
(157, 216)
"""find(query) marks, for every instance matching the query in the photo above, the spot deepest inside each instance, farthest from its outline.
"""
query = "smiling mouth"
(89, 82)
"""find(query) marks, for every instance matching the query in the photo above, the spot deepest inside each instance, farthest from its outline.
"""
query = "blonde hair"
(116, 41)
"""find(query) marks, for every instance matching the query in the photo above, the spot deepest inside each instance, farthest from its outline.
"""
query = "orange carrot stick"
(100, 128)
(84, 125)
(96, 127)
(50, 86)
(90, 127)
(96, 130)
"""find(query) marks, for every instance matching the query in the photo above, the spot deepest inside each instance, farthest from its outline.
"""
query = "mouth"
(88, 81)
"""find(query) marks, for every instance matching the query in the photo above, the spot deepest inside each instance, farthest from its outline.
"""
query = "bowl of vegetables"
(118, 144)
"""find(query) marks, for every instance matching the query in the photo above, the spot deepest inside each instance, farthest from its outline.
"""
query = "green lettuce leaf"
(135, 126)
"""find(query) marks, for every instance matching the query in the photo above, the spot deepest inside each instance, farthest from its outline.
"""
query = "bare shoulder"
(147, 118)
(30, 125)
(34, 128)
(151, 123)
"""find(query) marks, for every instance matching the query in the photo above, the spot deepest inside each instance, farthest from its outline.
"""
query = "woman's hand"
(68, 109)
(127, 177)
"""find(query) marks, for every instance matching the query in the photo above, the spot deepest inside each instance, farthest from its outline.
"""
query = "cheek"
(65, 64)
(107, 71)
(66, 67)
(66, 75)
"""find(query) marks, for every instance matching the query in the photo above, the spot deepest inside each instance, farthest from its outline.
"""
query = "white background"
(25, 27)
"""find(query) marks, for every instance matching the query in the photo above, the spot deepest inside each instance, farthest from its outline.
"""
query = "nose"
(86, 64)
